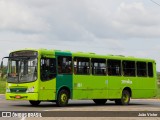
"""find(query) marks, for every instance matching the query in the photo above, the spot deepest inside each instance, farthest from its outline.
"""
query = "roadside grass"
(158, 92)
(2, 86)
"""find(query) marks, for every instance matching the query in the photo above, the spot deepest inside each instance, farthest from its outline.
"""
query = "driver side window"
(48, 68)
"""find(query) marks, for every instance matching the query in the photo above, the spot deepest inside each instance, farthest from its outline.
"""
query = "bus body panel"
(114, 87)
(144, 88)
(63, 81)
(47, 90)
(90, 87)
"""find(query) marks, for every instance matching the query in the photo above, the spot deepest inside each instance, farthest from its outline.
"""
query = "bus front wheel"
(62, 98)
(34, 103)
(125, 99)
(100, 101)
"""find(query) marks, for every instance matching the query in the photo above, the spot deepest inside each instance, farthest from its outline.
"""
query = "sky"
(118, 27)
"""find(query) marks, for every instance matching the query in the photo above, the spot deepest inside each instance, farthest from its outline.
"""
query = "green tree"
(3, 71)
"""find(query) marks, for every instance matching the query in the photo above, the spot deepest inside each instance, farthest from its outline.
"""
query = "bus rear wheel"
(100, 101)
(34, 103)
(125, 99)
(63, 97)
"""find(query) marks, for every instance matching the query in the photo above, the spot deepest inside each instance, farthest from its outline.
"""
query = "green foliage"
(2, 86)
(158, 92)
(3, 71)
(158, 75)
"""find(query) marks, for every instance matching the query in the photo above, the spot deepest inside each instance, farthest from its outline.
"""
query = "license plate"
(18, 97)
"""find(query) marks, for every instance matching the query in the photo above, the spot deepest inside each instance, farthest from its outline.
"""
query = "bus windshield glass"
(22, 67)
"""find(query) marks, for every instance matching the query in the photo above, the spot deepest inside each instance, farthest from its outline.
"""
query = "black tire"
(125, 99)
(34, 103)
(62, 98)
(100, 101)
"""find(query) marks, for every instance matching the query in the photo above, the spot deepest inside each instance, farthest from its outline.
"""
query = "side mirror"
(2, 62)
(1, 69)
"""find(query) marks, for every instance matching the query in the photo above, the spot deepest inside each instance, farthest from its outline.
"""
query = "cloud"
(100, 26)
(61, 20)
(134, 20)
(18, 17)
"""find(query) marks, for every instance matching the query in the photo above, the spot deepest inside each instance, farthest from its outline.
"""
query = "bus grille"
(18, 90)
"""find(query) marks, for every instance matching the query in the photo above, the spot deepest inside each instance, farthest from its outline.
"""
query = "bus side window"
(98, 66)
(81, 66)
(129, 68)
(141, 69)
(150, 69)
(114, 67)
(64, 65)
(48, 68)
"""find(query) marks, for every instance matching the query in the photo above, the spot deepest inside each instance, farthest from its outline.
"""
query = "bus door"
(64, 71)
(47, 75)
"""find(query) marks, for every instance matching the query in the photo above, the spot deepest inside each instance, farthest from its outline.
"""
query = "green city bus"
(57, 76)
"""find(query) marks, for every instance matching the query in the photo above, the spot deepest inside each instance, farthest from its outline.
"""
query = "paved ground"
(142, 106)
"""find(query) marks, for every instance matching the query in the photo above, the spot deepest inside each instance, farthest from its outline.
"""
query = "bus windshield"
(22, 68)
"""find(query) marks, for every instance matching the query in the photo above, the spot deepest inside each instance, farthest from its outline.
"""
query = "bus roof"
(85, 54)
(93, 55)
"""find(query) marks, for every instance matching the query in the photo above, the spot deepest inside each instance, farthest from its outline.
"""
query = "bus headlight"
(30, 90)
(8, 90)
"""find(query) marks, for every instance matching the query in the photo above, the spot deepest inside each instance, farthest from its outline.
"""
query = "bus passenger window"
(48, 68)
(129, 68)
(141, 69)
(114, 67)
(98, 66)
(64, 65)
(81, 66)
(150, 69)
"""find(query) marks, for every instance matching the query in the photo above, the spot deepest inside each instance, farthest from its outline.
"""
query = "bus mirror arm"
(1, 67)
(2, 62)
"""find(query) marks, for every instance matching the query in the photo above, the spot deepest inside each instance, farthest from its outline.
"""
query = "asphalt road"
(141, 105)
(81, 105)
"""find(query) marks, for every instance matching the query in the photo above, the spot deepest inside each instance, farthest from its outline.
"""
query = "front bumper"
(21, 96)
